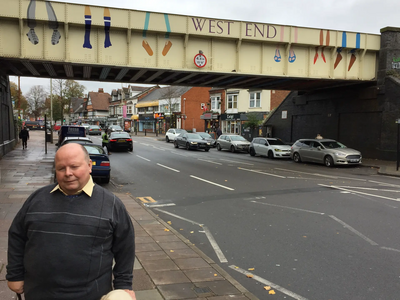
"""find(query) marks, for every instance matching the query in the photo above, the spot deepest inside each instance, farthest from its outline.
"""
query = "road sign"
(200, 60)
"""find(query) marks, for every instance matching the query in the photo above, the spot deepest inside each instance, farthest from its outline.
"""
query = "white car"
(270, 147)
(172, 133)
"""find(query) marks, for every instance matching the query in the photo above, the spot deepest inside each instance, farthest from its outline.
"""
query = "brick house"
(96, 108)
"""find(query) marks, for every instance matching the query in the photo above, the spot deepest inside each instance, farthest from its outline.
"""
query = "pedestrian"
(24, 135)
(104, 142)
(64, 241)
(219, 132)
(319, 137)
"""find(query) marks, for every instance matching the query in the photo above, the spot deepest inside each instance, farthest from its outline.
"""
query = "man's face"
(72, 168)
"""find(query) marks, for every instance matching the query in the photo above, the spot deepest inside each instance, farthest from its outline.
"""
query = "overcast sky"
(365, 16)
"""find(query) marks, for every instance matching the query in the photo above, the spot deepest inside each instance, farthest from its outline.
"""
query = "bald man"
(62, 243)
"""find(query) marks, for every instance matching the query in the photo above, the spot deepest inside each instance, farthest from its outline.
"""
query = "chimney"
(101, 90)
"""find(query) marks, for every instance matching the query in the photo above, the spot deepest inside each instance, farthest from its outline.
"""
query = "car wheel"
(176, 145)
(328, 160)
(130, 149)
(232, 149)
(187, 146)
(207, 149)
(270, 154)
(252, 152)
(167, 139)
(296, 157)
(105, 180)
(218, 147)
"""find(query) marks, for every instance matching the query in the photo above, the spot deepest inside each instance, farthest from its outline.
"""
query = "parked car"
(85, 125)
(114, 128)
(271, 147)
(120, 140)
(191, 141)
(101, 167)
(233, 142)
(67, 130)
(172, 133)
(325, 151)
(76, 139)
(208, 138)
(94, 130)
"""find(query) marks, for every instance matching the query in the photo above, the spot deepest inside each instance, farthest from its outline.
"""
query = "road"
(306, 231)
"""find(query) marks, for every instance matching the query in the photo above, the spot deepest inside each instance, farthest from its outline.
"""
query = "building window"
(232, 101)
(129, 109)
(215, 102)
(255, 99)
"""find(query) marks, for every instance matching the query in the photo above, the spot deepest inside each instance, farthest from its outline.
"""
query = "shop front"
(147, 122)
(230, 123)
(211, 122)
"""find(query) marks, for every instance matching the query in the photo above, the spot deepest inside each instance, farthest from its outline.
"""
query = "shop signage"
(230, 117)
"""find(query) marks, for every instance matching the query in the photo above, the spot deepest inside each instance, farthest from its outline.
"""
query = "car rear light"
(105, 164)
(113, 140)
(129, 140)
(90, 129)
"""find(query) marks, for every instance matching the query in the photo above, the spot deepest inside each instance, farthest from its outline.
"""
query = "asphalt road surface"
(304, 230)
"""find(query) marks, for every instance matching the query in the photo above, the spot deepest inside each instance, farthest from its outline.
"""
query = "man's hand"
(131, 293)
(18, 286)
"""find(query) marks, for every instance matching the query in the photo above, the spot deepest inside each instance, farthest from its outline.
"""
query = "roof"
(76, 103)
(165, 93)
(100, 101)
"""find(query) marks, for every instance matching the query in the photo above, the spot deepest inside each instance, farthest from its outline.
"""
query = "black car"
(114, 128)
(191, 141)
(120, 140)
(208, 138)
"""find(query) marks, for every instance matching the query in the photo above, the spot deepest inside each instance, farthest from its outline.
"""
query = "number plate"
(354, 160)
(121, 141)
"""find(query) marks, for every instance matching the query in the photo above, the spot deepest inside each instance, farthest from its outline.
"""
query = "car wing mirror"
(319, 148)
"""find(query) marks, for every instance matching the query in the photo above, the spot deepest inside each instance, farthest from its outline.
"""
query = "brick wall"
(277, 97)
(191, 107)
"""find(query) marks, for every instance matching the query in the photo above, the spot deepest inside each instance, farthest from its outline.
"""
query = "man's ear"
(90, 167)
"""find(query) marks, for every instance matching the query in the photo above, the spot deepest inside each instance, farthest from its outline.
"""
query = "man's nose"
(68, 171)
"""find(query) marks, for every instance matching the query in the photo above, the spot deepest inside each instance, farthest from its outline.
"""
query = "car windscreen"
(237, 138)
(94, 127)
(275, 142)
(76, 141)
(333, 145)
(180, 130)
(120, 135)
(94, 149)
(205, 135)
(194, 136)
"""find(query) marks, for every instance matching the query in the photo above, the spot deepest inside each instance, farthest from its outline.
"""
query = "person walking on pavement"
(104, 142)
(219, 132)
(64, 240)
(24, 135)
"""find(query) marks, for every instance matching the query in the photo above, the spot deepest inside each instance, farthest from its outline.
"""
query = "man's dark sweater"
(63, 248)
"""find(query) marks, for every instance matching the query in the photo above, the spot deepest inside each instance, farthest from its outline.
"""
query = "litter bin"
(49, 136)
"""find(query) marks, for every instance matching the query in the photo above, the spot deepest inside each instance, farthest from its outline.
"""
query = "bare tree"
(36, 98)
(171, 96)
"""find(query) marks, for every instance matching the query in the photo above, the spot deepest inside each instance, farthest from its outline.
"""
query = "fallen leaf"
(271, 292)
(171, 251)
(166, 229)
(192, 232)
(169, 222)
(236, 267)
(181, 229)
(304, 236)
(249, 276)
(250, 269)
(267, 287)
(215, 275)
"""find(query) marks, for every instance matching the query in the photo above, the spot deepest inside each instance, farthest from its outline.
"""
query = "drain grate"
(202, 290)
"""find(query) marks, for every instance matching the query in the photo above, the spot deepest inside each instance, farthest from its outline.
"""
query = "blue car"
(101, 168)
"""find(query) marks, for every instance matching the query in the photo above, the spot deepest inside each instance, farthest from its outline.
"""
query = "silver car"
(325, 151)
(233, 142)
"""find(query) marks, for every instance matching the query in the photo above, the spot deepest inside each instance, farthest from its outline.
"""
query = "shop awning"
(135, 117)
(147, 104)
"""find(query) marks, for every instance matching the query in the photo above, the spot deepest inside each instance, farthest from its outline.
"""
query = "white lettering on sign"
(395, 65)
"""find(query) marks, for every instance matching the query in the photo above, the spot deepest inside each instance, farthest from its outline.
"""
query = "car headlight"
(193, 143)
(277, 150)
(340, 154)
(208, 144)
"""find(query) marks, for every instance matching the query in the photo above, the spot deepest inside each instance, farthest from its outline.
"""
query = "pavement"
(167, 265)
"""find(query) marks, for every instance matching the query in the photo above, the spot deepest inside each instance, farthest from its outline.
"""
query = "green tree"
(64, 91)
(253, 120)
(16, 96)
(36, 98)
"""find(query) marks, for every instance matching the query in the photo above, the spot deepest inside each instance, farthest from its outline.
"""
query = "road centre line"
(354, 231)
(259, 172)
(356, 192)
(210, 182)
(143, 158)
(269, 283)
(207, 232)
(288, 207)
(317, 174)
(144, 144)
(390, 249)
(237, 162)
(168, 168)
(211, 162)
(178, 217)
